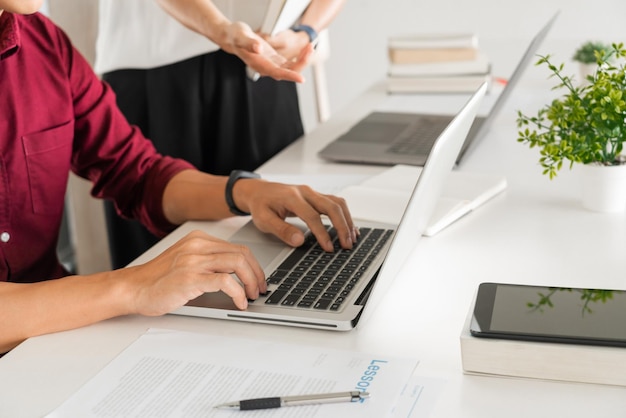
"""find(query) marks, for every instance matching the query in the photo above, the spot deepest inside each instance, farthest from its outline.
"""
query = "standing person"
(57, 116)
(185, 85)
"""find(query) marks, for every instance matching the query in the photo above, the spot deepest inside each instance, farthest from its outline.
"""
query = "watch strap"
(232, 179)
(306, 28)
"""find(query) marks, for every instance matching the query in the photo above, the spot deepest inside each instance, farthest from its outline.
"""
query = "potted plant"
(585, 55)
(586, 125)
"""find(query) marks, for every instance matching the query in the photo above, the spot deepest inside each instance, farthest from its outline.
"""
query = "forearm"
(321, 13)
(31, 309)
(201, 16)
(194, 195)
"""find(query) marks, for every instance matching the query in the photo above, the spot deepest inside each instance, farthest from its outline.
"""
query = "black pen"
(278, 402)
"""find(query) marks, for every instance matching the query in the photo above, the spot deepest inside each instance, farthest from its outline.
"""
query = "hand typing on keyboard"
(271, 203)
(313, 278)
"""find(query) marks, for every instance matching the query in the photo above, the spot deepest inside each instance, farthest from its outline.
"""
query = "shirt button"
(5, 237)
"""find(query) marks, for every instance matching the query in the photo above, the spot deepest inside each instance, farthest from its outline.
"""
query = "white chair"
(321, 55)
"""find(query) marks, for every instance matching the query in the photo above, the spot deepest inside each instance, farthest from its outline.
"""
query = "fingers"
(237, 260)
(259, 55)
(249, 44)
(281, 73)
(308, 205)
(303, 58)
(226, 283)
(273, 66)
(352, 232)
(194, 265)
(337, 211)
(243, 38)
(210, 282)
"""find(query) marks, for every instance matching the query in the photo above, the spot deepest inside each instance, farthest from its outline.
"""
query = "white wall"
(358, 36)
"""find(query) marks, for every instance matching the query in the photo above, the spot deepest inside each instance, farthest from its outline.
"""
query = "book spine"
(480, 65)
(431, 55)
(565, 362)
(405, 56)
(436, 85)
(433, 42)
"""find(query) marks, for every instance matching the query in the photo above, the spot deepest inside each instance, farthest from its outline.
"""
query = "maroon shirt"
(57, 116)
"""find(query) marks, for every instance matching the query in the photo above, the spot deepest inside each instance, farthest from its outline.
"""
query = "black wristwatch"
(309, 31)
(232, 179)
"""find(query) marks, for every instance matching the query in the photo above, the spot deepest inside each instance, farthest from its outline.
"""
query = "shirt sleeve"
(121, 163)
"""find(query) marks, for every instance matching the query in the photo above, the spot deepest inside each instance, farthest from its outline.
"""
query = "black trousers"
(206, 111)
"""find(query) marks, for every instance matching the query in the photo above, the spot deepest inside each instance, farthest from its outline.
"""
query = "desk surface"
(535, 233)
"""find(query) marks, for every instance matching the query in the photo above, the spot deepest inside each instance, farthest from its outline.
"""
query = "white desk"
(536, 232)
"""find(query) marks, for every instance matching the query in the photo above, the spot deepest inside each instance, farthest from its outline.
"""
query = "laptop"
(311, 288)
(389, 138)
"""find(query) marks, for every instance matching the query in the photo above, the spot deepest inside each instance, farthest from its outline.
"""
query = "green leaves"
(591, 52)
(587, 298)
(584, 125)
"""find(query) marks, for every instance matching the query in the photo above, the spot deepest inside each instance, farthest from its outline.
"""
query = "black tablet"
(551, 314)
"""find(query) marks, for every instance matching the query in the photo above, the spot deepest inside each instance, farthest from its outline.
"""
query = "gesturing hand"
(259, 55)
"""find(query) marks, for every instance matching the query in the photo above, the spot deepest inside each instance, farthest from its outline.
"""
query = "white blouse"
(139, 34)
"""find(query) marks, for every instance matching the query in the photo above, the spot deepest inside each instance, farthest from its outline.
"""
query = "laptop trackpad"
(265, 247)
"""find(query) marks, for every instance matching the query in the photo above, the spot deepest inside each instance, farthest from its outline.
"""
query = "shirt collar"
(9, 34)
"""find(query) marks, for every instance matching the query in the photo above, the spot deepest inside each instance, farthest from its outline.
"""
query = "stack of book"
(541, 360)
(436, 63)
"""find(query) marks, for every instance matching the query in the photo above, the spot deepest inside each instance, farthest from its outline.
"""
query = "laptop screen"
(426, 193)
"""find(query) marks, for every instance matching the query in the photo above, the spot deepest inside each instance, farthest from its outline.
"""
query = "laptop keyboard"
(311, 278)
(419, 139)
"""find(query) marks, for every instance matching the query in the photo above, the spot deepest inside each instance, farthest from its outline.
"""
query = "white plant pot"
(603, 187)
(585, 70)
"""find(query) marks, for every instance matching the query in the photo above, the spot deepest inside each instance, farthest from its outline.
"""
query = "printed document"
(169, 373)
